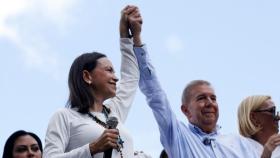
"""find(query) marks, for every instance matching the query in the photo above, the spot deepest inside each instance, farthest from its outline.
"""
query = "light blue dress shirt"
(178, 139)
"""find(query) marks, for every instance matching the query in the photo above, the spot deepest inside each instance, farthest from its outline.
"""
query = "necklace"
(106, 112)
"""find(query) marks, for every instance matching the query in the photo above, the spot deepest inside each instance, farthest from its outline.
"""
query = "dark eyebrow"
(27, 145)
(21, 146)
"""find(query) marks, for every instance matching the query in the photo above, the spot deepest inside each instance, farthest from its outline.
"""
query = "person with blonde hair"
(258, 122)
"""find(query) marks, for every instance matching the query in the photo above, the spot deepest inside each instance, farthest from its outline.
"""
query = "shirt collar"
(199, 131)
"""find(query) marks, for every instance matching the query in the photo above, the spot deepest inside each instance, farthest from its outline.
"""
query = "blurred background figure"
(258, 122)
(22, 144)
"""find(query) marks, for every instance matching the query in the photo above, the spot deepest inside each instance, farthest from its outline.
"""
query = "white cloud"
(174, 44)
(40, 57)
(58, 10)
(36, 53)
(11, 7)
(8, 9)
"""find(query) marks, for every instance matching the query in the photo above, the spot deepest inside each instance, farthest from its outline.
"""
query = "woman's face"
(266, 114)
(26, 147)
(103, 79)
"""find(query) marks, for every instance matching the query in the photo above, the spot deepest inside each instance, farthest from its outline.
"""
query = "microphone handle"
(108, 153)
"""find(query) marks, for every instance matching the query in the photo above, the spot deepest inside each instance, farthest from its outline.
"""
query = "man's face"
(202, 109)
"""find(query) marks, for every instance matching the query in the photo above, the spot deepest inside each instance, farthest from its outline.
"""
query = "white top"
(259, 148)
(70, 132)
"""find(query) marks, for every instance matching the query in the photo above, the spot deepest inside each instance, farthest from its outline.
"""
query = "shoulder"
(234, 140)
(64, 118)
(66, 113)
(238, 144)
(229, 137)
(63, 111)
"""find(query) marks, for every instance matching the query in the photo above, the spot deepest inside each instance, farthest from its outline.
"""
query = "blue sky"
(234, 44)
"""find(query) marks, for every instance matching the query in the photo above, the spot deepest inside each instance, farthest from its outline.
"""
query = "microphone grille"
(112, 122)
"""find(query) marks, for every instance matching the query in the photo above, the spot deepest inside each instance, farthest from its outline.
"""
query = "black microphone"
(207, 141)
(112, 123)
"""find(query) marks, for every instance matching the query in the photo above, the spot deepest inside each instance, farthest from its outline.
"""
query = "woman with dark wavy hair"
(82, 130)
(22, 144)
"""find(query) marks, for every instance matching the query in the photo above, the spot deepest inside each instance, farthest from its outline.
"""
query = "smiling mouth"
(113, 83)
(209, 114)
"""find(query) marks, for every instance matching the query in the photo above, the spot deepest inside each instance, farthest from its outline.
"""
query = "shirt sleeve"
(156, 97)
(128, 83)
(57, 139)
